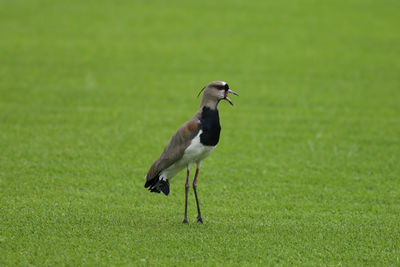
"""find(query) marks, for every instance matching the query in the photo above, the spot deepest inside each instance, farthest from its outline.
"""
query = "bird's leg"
(185, 221)
(199, 219)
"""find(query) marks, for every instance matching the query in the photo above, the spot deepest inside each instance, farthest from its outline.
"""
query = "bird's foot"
(199, 219)
(185, 221)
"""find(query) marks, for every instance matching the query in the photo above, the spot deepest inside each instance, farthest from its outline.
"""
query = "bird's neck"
(210, 103)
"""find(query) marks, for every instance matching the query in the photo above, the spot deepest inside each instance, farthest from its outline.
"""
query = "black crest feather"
(201, 91)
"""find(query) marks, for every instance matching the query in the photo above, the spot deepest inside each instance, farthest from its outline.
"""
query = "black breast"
(210, 127)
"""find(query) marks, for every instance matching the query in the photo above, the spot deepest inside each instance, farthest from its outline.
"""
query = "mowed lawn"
(307, 171)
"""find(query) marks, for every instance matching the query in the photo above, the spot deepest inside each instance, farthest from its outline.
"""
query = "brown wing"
(175, 148)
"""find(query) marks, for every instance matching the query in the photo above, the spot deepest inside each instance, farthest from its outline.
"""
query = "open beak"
(229, 91)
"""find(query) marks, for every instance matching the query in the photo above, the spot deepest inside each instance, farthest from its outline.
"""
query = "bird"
(190, 145)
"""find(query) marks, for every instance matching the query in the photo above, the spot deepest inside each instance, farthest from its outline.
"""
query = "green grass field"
(307, 169)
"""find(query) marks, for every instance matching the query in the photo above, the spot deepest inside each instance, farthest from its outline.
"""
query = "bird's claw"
(185, 221)
(199, 219)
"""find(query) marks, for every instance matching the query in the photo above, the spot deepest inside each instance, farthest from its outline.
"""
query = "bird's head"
(216, 91)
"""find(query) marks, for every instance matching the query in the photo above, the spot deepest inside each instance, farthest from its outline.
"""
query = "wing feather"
(175, 147)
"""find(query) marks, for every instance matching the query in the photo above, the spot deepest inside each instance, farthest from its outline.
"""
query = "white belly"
(193, 154)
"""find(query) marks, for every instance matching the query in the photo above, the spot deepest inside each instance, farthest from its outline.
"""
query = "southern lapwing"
(192, 143)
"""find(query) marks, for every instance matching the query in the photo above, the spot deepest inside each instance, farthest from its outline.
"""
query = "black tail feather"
(164, 187)
(150, 182)
(158, 185)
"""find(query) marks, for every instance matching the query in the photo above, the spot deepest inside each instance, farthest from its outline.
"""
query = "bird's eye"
(226, 86)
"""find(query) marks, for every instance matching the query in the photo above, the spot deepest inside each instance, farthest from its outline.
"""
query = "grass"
(307, 169)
